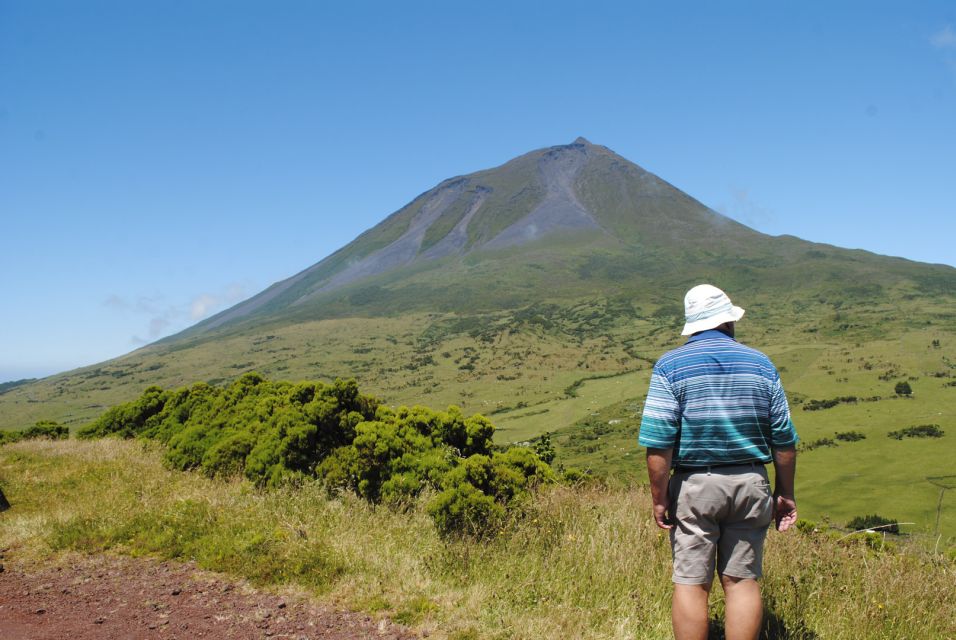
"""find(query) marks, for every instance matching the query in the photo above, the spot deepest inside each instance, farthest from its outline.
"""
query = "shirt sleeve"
(661, 420)
(782, 432)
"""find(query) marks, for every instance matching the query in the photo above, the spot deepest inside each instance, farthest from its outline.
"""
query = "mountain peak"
(582, 190)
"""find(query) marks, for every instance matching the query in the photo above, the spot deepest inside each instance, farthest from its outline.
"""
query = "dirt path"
(107, 597)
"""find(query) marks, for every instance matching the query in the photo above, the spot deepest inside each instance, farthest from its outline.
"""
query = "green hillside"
(539, 293)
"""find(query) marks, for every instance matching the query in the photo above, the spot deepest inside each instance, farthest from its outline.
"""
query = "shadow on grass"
(774, 628)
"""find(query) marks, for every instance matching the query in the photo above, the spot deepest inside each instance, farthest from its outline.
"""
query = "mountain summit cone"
(511, 285)
(567, 200)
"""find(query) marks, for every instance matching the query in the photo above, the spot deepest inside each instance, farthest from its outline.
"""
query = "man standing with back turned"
(716, 413)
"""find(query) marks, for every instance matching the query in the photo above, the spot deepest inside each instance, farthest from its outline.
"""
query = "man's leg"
(744, 608)
(689, 611)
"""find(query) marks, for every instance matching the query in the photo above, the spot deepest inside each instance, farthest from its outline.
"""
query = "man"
(716, 413)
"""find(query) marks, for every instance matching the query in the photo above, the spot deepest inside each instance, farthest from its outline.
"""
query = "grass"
(582, 562)
(591, 396)
(517, 364)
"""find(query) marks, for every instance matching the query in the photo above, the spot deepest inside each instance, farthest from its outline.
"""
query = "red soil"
(107, 597)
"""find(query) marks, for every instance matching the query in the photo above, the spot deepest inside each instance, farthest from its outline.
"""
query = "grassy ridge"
(584, 563)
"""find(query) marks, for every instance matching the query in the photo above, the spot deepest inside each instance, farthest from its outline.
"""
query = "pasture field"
(900, 479)
(571, 370)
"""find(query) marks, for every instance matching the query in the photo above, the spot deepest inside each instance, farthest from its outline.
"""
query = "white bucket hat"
(707, 307)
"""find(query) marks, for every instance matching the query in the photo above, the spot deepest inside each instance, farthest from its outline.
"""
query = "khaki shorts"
(721, 520)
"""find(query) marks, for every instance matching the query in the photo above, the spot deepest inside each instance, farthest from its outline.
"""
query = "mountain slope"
(579, 190)
(506, 285)
(557, 222)
(540, 293)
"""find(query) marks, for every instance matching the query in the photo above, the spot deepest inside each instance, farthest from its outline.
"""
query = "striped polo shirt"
(716, 401)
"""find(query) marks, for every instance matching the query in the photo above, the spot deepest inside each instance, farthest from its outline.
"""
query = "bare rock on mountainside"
(560, 246)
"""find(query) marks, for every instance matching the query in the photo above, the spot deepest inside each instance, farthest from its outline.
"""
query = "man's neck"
(710, 333)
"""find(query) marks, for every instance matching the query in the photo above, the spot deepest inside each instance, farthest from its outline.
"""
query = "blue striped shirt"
(716, 401)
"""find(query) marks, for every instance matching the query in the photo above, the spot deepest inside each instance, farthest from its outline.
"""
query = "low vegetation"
(850, 436)
(278, 433)
(580, 562)
(43, 429)
(918, 431)
(873, 522)
(817, 405)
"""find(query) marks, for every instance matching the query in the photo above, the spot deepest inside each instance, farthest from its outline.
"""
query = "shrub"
(815, 444)
(850, 436)
(870, 539)
(46, 429)
(128, 420)
(482, 489)
(279, 432)
(903, 388)
(227, 457)
(817, 405)
(806, 526)
(544, 448)
(872, 522)
(288, 428)
(919, 431)
(42, 429)
(465, 510)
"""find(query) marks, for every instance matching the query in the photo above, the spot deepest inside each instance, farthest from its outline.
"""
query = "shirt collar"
(710, 334)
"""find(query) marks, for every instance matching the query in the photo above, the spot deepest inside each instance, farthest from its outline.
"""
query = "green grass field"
(570, 369)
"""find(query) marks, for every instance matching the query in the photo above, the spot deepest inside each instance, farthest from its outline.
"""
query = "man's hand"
(784, 504)
(784, 511)
(660, 515)
(659, 473)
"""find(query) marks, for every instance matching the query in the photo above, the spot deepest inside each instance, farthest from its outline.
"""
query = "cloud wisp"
(944, 41)
(163, 317)
(945, 38)
(745, 209)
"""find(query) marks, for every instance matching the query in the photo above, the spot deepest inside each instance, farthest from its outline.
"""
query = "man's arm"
(784, 502)
(659, 472)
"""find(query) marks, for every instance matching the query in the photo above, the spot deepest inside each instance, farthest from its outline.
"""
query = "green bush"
(919, 431)
(872, 522)
(817, 405)
(806, 526)
(286, 429)
(482, 489)
(870, 539)
(850, 436)
(816, 444)
(573, 475)
(42, 429)
(128, 420)
(46, 429)
(280, 432)
(465, 510)
(544, 448)
(227, 457)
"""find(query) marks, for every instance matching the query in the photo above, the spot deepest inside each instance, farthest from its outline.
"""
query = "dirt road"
(107, 597)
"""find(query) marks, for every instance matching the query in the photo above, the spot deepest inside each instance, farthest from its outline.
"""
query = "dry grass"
(582, 562)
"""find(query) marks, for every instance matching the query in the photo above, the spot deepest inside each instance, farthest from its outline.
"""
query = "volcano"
(507, 286)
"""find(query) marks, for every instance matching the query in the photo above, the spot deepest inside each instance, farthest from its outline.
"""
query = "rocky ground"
(106, 597)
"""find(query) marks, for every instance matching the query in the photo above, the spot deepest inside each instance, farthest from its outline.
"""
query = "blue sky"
(162, 160)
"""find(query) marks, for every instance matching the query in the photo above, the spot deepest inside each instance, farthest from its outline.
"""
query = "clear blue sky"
(160, 160)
